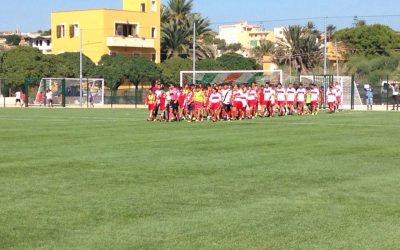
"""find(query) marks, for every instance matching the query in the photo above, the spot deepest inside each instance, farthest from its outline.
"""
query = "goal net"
(75, 93)
(233, 77)
(345, 83)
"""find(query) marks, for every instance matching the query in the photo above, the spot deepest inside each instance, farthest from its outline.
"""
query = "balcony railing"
(133, 42)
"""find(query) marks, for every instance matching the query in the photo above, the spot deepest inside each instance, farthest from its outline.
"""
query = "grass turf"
(106, 179)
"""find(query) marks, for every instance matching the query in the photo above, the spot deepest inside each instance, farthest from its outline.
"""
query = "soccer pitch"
(106, 179)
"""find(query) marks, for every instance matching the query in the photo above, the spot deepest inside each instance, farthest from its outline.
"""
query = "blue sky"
(32, 15)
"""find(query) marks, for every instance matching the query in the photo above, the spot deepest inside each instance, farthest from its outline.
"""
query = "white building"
(244, 33)
(43, 43)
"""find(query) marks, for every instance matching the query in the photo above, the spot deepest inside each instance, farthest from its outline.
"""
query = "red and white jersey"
(301, 94)
(331, 96)
(291, 94)
(244, 98)
(281, 94)
(314, 94)
(237, 95)
(267, 93)
(273, 96)
(215, 98)
(252, 95)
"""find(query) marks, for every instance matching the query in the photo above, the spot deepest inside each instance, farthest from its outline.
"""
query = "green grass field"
(106, 179)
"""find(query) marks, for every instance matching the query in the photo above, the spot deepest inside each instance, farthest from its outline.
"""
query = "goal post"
(72, 92)
(231, 76)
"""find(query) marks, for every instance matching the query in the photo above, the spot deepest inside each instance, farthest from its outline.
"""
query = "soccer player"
(339, 92)
(215, 101)
(331, 96)
(173, 104)
(199, 100)
(291, 96)
(244, 102)
(39, 98)
(252, 101)
(266, 99)
(300, 98)
(227, 101)
(272, 101)
(151, 102)
(314, 99)
(49, 97)
(308, 100)
(190, 102)
(182, 104)
(237, 102)
(281, 98)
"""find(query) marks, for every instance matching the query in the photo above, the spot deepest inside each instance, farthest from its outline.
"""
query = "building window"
(37, 42)
(153, 57)
(153, 32)
(126, 30)
(153, 6)
(48, 42)
(60, 31)
(73, 30)
(40, 42)
(143, 7)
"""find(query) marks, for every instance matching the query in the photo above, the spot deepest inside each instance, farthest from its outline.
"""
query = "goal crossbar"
(194, 73)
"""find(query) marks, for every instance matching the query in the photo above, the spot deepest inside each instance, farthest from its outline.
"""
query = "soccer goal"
(234, 77)
(345, 83)
(75, 93)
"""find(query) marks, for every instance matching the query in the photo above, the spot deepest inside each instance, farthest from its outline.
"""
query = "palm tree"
(179, 10)
(177, 30)
(174, 40)
(299, 48)
(265, 48)
(330, 30)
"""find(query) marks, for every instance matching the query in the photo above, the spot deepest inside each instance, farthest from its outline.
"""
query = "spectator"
(49, 97)
(369, 97)
(18, 96)
(395, 96)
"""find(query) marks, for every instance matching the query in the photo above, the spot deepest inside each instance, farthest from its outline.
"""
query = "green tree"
(171, 69)
(234, 47)
(374, 39)
(233, 61)
(24, 62)
(13, 40)
(68, 65)
(209, 64)
(116, 69)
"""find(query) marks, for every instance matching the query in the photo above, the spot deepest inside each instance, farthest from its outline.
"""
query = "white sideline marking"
(102, 119)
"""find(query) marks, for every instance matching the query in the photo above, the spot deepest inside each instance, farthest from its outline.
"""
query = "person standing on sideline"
(395, 96)
(49, 97)
(18, 96)
(369, 94)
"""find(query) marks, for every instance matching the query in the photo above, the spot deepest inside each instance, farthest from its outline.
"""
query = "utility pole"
(194, 53)
(337, 59)
(80, 66)
(325, 47)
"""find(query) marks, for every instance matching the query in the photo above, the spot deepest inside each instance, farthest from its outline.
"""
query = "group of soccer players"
(237, 102)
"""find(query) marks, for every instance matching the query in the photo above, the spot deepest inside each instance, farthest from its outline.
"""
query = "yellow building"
(336, 52)
(135, 30)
